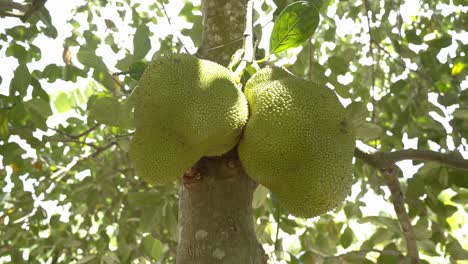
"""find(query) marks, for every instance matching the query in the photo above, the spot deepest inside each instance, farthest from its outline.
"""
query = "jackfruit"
(185, 108)
(297, 142)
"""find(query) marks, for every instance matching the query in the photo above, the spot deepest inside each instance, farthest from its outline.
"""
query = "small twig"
(363, 252)
(385, 160)
(102, 149)
(227, 44)
(74, 141)
(84, 133)
(121, 73)
(391, 179)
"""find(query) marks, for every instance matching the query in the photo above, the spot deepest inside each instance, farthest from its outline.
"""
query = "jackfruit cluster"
(185, 108)
(298, 142)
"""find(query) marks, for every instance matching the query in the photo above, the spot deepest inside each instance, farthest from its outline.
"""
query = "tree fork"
(215, 196)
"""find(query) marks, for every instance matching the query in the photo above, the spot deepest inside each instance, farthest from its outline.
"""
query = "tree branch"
(391, 179)
(385, 160)
(385, 163)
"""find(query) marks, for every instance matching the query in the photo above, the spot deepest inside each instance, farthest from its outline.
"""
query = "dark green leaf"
(338, 65)
(39, 106)
(137, 69)
(368, 131)
(20, 81)
(141, 42)
(104, 109)
(90, 59)
(295, 24)
(441, 42)
(461, 198)
(152, 247)
(347, 237)
(3, 125)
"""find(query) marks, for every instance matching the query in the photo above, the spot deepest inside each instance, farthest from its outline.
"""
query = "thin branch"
(371, 51)
(68, 140)
(248, 41)
(385, 160)
(311, 59)
(391, 179)
(172, 28)
(84, 133)
(58, 175)
(102, 149)
(363, 252)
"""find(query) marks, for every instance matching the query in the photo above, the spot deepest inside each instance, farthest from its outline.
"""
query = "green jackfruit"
(185, 108)
(297, 142)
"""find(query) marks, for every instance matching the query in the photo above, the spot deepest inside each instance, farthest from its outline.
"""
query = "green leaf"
(347, 237)
(88, 58)
(62, 103)
(458, 67)
(357, 113)
(141, 42)
(20, 81)
(389, 259)
(137, 69)
(40, 110)
(44, 16)
(144, 199)
(3, 125)
(368, 131)
(18, 115)
(152, 247)
(104, 109)
(294, 25)
(456, 250)
(38, 91)
(259, 196)
(461, 198)
(442, 42)
(461, 114)
(17, 51)
(39, 106)
(338, 65)
(52, 72)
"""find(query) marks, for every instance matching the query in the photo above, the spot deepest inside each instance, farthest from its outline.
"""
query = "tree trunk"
(215, 197)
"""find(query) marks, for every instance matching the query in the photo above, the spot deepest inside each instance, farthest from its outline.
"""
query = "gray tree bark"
(216, 224)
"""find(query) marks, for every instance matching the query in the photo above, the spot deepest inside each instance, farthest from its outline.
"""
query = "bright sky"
(51, 50)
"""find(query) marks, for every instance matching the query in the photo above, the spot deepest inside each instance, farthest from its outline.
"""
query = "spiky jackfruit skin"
(185, 108)
(297, 142)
